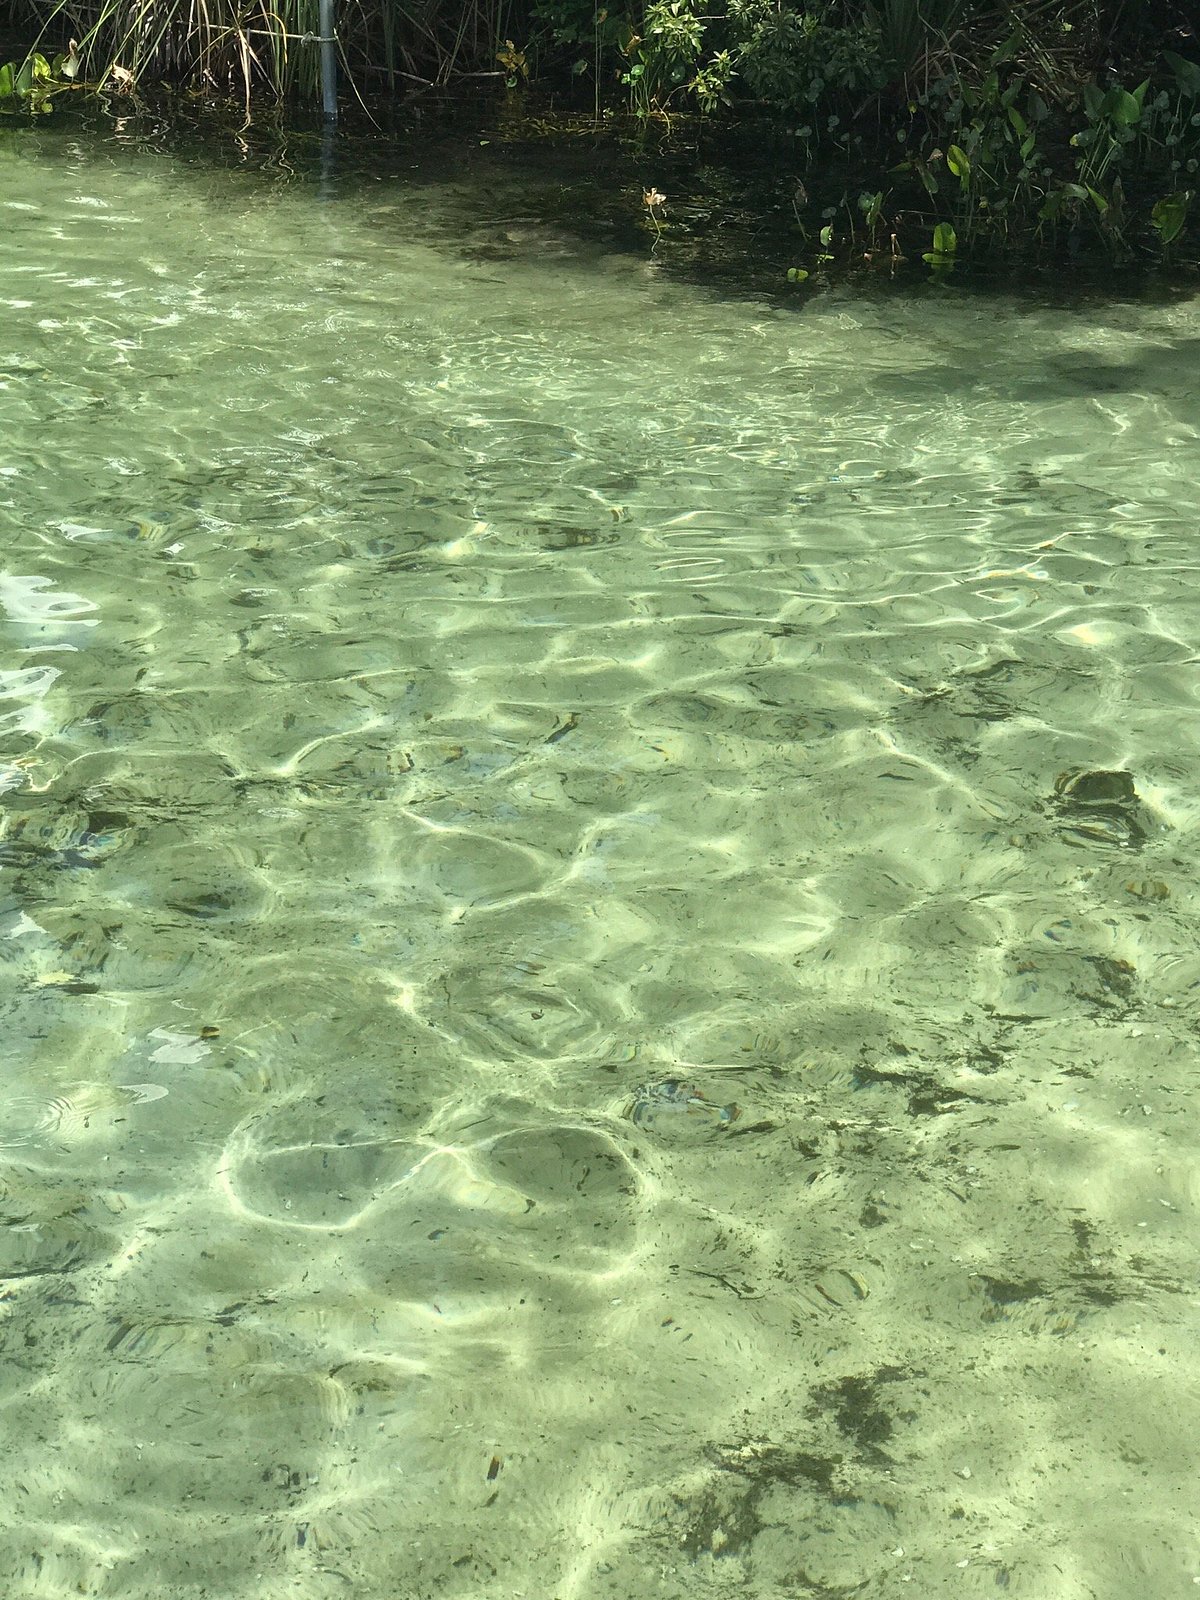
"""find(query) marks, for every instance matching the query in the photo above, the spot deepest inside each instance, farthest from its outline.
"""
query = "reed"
(266, 48)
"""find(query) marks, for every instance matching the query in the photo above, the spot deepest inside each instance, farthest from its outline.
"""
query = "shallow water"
(457, 679)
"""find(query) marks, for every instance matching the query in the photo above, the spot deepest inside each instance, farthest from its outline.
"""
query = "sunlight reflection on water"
(448, 698)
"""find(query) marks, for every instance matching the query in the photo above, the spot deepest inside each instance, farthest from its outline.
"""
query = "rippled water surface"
(599, 912)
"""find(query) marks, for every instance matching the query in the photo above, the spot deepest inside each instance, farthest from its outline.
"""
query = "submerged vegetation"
(961, 125)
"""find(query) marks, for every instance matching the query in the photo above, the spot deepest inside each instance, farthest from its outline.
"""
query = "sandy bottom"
(598, 917)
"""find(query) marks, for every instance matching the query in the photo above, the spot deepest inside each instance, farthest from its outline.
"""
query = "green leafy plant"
(804, 62)
(29, 87)
(959, 163)
(945, 248)
(1168, 216)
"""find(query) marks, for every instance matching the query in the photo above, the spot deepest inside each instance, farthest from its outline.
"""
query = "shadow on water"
(534, 182)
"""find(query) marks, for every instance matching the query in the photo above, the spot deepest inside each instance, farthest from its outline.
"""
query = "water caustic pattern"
(599, 914)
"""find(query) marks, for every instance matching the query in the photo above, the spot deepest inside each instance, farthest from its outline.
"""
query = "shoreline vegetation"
(959, 130)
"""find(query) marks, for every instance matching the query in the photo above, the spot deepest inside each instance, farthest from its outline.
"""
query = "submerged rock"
(675, 1105)
(1102, 807)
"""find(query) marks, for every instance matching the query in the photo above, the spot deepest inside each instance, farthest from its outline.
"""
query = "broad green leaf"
(7, 89)
(796, 274)
(1018, 121)
(1187, 73)
(1121, 106)
(23, 82)
(1169, 215)
(959, 163)
(1011, 93)
(870, 205)
(1027, 146)
(945, 240)
(1098, 200)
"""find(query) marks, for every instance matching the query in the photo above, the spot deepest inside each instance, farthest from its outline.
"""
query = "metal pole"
(328, 62)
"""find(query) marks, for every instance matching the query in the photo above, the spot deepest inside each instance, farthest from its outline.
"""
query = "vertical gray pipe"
(328, 62)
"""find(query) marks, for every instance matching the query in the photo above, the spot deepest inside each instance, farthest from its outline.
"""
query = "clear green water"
(480, 675)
